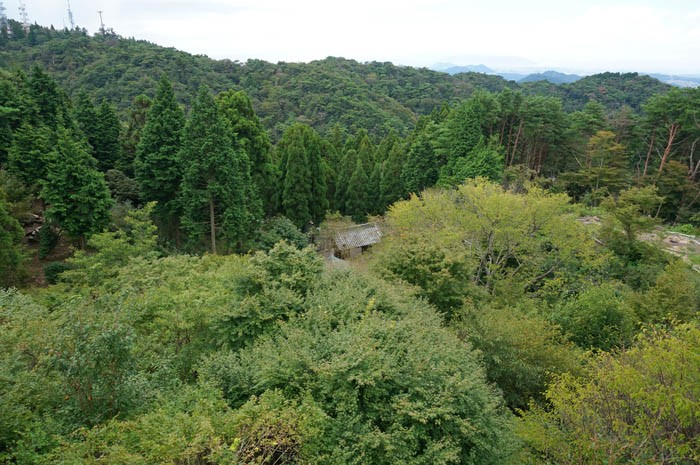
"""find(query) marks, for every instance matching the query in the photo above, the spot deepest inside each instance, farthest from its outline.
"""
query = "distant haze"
(576, 37)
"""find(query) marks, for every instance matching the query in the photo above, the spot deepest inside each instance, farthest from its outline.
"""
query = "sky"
(583, 36)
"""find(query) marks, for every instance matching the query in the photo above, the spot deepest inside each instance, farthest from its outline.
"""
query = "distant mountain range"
(556, 77)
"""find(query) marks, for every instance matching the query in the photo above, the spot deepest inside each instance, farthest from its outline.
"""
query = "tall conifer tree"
(75, 192)
(358, 200)
(157, 165)
(249, 135)
(213, 184)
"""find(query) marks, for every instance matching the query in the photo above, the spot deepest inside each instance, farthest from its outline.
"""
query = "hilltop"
(373, 95)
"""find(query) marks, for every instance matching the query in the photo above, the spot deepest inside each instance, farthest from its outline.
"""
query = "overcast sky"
(570, 35)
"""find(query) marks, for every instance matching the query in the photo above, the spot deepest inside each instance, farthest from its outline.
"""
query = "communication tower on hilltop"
(4, 25)
(70, 16)
(24, 16)
(102, 24)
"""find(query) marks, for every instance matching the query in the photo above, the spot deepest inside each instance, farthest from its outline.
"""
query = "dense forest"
(165, 297)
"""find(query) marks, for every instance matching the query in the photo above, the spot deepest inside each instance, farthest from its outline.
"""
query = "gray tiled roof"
(357, 236)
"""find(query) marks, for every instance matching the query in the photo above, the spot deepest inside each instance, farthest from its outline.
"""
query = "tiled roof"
(357, 236)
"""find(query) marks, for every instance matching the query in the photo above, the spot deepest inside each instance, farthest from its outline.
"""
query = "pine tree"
(75, 192)
(357, 204)
(157, 165)
(213, 184)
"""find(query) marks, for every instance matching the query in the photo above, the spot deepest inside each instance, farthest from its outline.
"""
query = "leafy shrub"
(53, 270)
(598, 318)
(638, 406)
(279, 228)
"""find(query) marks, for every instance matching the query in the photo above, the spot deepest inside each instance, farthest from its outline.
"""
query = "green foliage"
(604, 171)
(29, 155)
(391, 186)
(48, 239)
(599, 318)
(441, 278)
(122, 188)
(392, 384)
(108, 251)
(105, 142)
(638, 406)
(420, 170)
(632, 210)
(357, 203)
(504, 243)
(273, 293)
(157, 167)
(483, 161)
(521, 351)
(133, 132)
(276, 229)
(302, 186)
(53, 270)
(674, 297)
(249, 134)
(195, 426)
(11, 251)
(216, 185)
(76, 193)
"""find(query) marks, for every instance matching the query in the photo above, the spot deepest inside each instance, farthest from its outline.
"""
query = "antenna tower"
(4, 25)
(102, 24)
(70, 17)
(24, 16)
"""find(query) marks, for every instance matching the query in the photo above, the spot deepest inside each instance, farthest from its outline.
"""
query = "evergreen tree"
(11, 254)
(315, 149)
(303, 175)
(421, 167)
(132, 134)
(74, 190)
(460, 133)
(27, 158)
(249, 135)
(392, 188)
(85, 115)
(157, 166)
(107, 147)
(47, 97)
(347, 167)
(365, 152)
(213, 184)
(485, 160)
(296, 184)
(357, 204)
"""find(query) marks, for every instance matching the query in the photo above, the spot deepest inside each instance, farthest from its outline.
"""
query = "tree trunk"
(672, 131)
(515, 145)
(212, 224)
(646, 162)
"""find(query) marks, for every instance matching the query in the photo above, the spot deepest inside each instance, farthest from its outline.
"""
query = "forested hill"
(375, 96)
